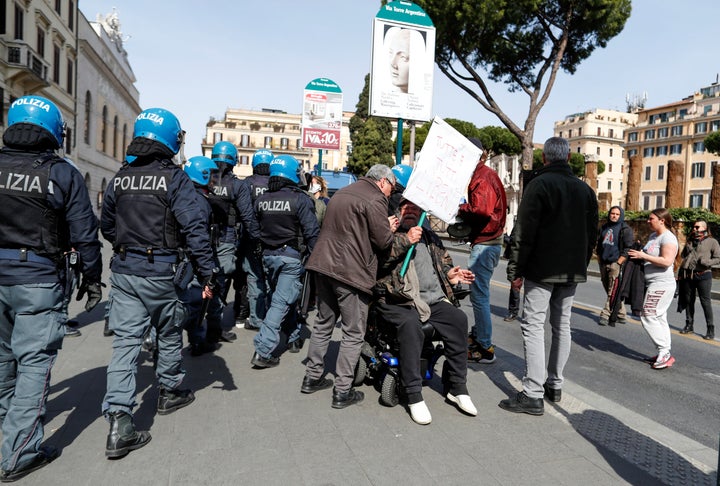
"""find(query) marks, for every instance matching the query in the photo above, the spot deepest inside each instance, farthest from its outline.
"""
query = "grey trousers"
(335, 299)
(138, 303)
(538, 297)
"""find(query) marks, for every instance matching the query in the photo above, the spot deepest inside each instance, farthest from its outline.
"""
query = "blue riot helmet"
(262, 156)
(224, 152)
(199, 169)
(161, 126)
(286, 166)
(402, 174)
(39, 111)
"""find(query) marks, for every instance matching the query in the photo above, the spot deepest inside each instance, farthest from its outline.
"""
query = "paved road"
(254, 427)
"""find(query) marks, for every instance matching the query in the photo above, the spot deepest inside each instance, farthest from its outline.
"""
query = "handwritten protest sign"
(443, 171)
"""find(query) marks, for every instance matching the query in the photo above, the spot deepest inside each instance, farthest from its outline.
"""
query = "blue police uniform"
(45, 210)
(252, 261)
(232, 207)
(288, 230)
(149, 212)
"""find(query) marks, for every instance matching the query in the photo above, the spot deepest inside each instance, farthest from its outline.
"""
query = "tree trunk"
(674, 188)
(632, 199)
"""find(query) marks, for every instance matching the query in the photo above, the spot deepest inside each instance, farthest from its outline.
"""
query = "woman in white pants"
(659, 255)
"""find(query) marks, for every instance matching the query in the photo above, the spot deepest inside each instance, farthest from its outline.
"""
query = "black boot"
(710, 333)
(687, 329)
(123, 437)
(171, 400)
(106, 331)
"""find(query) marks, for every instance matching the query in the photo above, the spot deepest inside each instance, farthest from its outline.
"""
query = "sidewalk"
(255, 427)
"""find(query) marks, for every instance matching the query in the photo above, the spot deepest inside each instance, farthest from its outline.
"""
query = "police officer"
(289, 230)
(232, 207)
(150, 210)
(44, 211)
(199, 169)
(252, 260)
(402, 176)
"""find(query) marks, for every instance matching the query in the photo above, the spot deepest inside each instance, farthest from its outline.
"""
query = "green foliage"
(600, 167)
(371, 137)
(712, 143)
(522, 43)
(577, 163)
(495, 140)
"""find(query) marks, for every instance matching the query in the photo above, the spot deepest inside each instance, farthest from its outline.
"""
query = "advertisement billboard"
(322, 115)
(403, 63)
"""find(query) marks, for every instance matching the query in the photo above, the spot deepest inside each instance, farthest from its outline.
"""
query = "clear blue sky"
(198, 58)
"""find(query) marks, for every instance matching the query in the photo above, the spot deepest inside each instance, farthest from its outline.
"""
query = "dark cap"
(476, 142)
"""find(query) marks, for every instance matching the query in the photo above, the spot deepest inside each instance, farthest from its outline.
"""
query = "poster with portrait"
(442, 172)
(401, 77)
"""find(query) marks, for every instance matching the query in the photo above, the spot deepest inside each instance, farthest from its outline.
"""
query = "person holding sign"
(425, 295)
(485, 212)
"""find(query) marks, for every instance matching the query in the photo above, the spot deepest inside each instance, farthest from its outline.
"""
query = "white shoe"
(463, 402)
(420, 413)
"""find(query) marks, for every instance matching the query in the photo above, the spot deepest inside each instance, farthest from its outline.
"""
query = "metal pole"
(412, 143)
(319, 166)
(398, 149)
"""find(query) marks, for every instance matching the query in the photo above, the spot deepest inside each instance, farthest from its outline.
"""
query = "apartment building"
(599, 136)
(676, 131)
(275, 130)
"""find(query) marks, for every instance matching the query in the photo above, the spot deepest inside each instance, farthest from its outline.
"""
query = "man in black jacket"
(614, 241)
(554, 237)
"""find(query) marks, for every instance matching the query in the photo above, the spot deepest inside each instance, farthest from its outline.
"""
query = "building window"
(696, 200)
(715, 125)
(676, 131)
(648, 173)
(609, 185)
(103, 133)
(650, 134)
(115, 137)
(580, 132)
(284, 143)
(611, 133)
(599, 131)
(560, 134)
(570, 133)
(633, 137)
(217, 137)
(697, 170)
(19, 22)
(646, 203)
(68, 141)
(675, 149)
(659, 201)
(245, 140)
(661, 150)
(649, 152)
(578, 149)
(661, 172)
(41, 42)
(71, 15)
(682, 113)
(663, 132)
(698, 147)
(124, 139)
(88, 117)
(268, 142)
(58, 7)
(56, 64)
(611, 152)
(70, 67)
(244, 160)
(609, 167)
(620, 186)
(597, 150)
(632, 152)
(700, 127)
(298, 144)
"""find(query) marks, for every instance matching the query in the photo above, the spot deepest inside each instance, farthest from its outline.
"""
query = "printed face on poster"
(443, 171)
(401, 80)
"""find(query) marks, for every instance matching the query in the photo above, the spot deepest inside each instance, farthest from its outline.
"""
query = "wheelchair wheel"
(360, 372)
(389, 394)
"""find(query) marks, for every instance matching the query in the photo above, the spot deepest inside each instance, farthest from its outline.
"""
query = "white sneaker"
(463, 402)
(420, 413)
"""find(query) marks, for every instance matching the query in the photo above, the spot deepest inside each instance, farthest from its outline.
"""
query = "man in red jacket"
(485, 212)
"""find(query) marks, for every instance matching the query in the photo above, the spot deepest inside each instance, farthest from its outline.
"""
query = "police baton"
(206, 301)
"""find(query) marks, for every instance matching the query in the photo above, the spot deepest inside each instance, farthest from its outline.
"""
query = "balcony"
(25, 66)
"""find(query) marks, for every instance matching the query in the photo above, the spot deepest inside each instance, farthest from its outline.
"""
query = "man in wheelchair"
(425, 295)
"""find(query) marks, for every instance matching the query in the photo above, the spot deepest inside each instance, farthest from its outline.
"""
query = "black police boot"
(123, 437)
(710, 333)
(687, 329)
(171, 400)
(344, 399)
